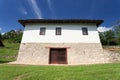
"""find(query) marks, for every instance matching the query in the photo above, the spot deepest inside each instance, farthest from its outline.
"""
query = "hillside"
(9, 52)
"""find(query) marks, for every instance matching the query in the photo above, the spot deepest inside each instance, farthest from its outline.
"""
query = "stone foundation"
(77, 53)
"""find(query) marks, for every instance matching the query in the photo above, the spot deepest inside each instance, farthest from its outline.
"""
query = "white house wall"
(71, 33)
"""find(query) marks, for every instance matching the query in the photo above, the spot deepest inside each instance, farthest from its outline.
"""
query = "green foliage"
(13, 36)
(85, 72)
(0, 36)
(108, 38)
(117, 32)
(111, 37)
(1, 43)
(102, 38)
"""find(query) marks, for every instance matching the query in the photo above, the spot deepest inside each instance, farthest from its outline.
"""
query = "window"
(84, 31)
(42, 30)
(58, 31)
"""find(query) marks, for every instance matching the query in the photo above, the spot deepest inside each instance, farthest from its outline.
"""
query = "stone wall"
(112, 57)
(77, 53)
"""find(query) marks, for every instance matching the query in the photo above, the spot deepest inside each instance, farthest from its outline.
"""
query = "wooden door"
(58, 56)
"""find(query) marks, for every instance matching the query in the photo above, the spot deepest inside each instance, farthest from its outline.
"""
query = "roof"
(24, 22)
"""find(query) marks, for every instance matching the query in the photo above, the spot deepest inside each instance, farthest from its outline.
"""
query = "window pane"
(84, 31)
(42, 31)
(58, 31)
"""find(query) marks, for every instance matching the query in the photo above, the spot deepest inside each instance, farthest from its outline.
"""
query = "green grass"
(29, 72)
(88, 72)
(9, 52)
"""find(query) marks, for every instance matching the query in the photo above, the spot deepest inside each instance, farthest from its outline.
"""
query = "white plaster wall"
(71, 33)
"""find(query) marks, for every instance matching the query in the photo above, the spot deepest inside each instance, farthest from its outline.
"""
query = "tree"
(108, 38)
(1, 44)
(117, 32)
(102, 38)
(116, 28)
(14, 36)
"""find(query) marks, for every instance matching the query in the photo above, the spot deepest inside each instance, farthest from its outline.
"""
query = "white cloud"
(50, 5)
(23, 10)
(51, 8)
(2, 33)
(103, 28)
(0, 28)
(35, 8)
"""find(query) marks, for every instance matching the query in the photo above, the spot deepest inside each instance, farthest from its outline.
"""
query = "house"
(67, 41)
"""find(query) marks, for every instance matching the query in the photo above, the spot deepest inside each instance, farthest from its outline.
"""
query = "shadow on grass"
(1, 62)
(13, 48)
(6, 61)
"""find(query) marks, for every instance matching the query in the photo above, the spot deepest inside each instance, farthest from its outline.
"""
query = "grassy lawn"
(29, 72)
(9, 52)
(84, 72)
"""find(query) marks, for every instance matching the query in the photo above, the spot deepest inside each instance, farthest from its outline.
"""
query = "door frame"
(66, 62)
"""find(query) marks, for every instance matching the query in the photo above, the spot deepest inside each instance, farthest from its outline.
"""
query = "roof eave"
(24, 22)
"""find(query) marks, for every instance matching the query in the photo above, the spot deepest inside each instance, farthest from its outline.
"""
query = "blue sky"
(13, 10)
